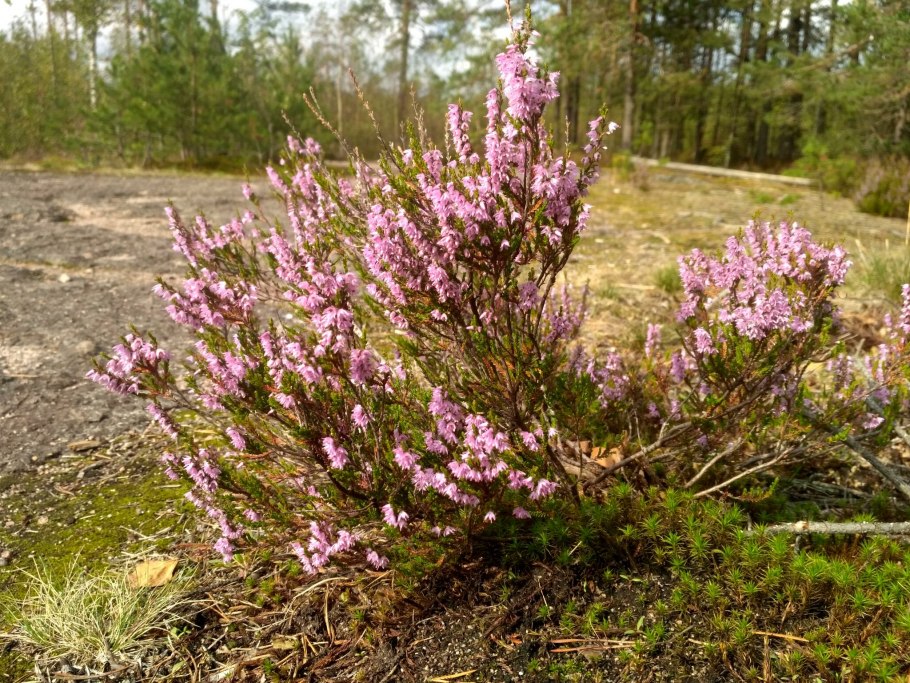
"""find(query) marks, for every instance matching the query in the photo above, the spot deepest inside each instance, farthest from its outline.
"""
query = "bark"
(128, 27)
(404, 47)
(745, 45)
(853, 528)
(93, 68)
(821, 116)
(628, 111)
(52, 38)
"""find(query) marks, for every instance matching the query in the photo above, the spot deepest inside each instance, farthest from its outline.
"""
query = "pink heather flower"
(871, 421)
(286, 400)
(530, 441)
(904, 320)
(164, 420)
(226, 548)
(489, 517)
(376, 560)
(528, 296)
(360, 417)
(405, 459)
(338, 456)
(248, 191)
(251, 515)
(236, 438)
(521, 513)
(652, 340)
(704, 345)
(399, 521)
(678, 367)
(543, 489)
(363, 365)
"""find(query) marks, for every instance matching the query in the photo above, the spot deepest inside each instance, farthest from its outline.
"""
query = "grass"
(882, 271)
(668, 280)
(94, 619)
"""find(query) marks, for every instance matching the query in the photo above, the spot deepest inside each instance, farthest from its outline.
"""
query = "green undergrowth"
(699, 589)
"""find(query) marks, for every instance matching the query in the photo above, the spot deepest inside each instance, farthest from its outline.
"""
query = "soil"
(79, 255)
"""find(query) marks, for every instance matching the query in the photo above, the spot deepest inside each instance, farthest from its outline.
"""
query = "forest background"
(813, 88)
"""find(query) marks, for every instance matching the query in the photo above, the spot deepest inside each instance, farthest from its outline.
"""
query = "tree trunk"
(52, 38)
(32, 11)
(405, 40)
(93, 68)
(745, 45)
(628, 110)
(128, 28)
(821, 116)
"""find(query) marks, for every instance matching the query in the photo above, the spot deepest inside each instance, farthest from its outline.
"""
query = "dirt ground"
(79, 255)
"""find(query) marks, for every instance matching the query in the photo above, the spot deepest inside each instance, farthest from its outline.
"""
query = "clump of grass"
(667, 280)
(92, 619)
(761, 197)
(788, 199)
(884, 271)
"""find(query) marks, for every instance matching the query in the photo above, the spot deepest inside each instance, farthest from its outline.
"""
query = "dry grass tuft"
(92, 619)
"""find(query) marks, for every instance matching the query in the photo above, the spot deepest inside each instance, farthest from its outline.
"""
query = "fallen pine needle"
(451, 677)
(785, 636)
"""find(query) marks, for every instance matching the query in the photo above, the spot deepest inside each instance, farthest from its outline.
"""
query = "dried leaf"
(610, 459)
(284, 644)
(152, 573)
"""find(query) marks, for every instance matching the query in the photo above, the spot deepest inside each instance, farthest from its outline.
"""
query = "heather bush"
(384, 361)
(394, 356)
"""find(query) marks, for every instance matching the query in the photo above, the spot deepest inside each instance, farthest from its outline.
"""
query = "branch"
(713, 461)
(801, 528)
(674, 431)
(902, 487)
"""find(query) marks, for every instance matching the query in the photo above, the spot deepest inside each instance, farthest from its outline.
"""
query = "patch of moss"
(89, 528)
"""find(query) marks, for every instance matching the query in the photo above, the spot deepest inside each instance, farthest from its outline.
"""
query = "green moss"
(127, 513)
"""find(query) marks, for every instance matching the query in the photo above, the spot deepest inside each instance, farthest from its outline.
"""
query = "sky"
(10, 10)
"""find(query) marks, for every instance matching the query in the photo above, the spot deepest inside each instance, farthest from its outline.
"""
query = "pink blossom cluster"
(771, 280)
(757, 314)
(130, 360)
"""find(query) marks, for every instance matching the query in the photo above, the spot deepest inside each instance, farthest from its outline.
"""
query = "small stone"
(42, 520)
(83, 445)
(86, 347)
(64, 278)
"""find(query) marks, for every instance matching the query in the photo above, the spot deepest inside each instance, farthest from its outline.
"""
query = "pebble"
(86, 347)
(64, 278)
(83, 445)
(42, 520)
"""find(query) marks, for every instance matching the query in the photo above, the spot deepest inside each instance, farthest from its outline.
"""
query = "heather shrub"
(754, 375)
(393, 358)
(384, 360)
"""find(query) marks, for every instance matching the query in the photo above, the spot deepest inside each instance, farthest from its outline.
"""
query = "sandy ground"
(79, 255)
